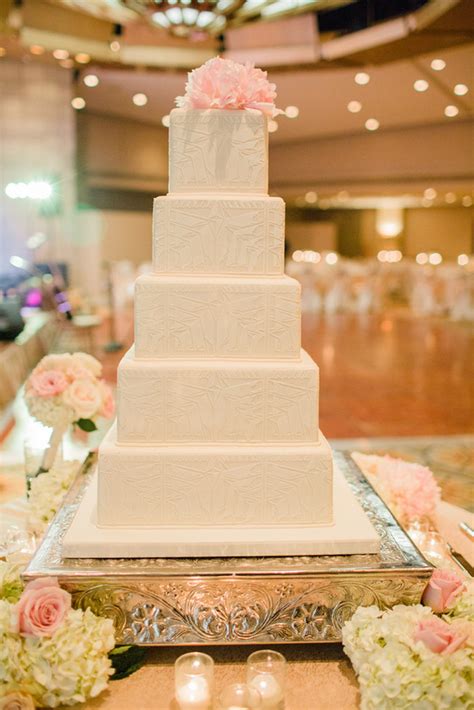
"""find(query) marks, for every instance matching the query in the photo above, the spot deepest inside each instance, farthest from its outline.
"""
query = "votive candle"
(266, 673)
(194, 678)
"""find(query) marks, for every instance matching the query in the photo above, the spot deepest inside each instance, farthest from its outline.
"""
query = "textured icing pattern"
(229, 318)
(218, 235)
(154, 488)
(234, 403)
(218, 151)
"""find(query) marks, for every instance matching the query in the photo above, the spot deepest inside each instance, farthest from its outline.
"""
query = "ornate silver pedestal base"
(238, 600)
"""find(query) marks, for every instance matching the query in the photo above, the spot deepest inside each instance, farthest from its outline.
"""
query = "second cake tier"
(237, 401)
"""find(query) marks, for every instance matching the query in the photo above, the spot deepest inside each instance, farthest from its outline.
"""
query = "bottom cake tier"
(214, 486)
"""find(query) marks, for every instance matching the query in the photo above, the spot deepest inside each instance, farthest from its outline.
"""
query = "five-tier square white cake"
(217, 448)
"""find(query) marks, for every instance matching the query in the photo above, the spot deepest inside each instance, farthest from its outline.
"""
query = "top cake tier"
(218, 151)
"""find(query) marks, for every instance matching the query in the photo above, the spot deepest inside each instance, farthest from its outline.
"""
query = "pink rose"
(42, 607)
(439, 636)
(47, 383)
(108, 404)
(84, 397)
(443, 588)
(17, 701)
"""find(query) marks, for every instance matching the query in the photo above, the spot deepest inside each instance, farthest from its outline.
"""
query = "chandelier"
(193, 18)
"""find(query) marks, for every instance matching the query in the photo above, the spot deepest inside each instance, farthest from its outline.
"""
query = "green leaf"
(126, 660)
(86, 425)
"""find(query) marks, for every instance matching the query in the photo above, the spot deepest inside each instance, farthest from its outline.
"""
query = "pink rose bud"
(42, 607)
(443, 588)
(17, 701)
(439, 636)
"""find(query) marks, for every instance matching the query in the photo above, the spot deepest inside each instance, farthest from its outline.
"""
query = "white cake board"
(351, 533)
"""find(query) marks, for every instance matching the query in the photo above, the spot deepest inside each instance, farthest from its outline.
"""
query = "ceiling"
(321, 96)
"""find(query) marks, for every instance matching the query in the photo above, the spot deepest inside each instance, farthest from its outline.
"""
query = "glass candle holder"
(240, 696)
(194, 679)
(266, 673)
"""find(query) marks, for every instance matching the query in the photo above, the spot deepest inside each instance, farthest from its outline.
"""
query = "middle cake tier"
(200, 401)
(207, 317)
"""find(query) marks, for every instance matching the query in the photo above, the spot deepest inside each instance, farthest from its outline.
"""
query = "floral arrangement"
(65, 389)
(50, 654)
(225, 84)
(47, 493)
(409, 489)
(416, 656)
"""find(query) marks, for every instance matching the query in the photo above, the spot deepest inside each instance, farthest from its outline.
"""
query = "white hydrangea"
(10, 582)
(68, 668)
(463, 607)
(50, 411)
(394, 671)
(47, 492)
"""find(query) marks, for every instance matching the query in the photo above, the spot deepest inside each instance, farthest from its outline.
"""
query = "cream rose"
(84, 397)
(89, 363)
(17, 701)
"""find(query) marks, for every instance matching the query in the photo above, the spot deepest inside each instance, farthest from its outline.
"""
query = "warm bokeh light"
(272, 126)
(467, 201)
(311, 197)
(354, 106)
(37, 49)
(115, 46)
(435, 258)
(372, 124)
(82, 58)
(166, 121)
(450, 198)
(430, 193)
(451, 111)
(297, 255)
(461, 89)
(421, 258)
(463, 259)
(60, 54)
(78, 103)
(438, 64)
(140, 99)
(3, 51)
(34, 190)
(66, 63)
(292, 111)
(331, 258)
(91, 80)
(362, 78)
(421, 85)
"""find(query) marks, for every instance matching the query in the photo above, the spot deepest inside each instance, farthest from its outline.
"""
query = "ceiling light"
(435, 258)
(461, 89)
(115, 46)
(463, 259)
(354, 106)
(82, 58)
(372, 124)
(91, 80)
(272, 126)
(311, 197)
(362, 78)
(60, 54)
(292, 111)
(438, 64)
(450, 198)
(37, 49)
(430, 193)
(78, 103)
(140, 99)
(421, 258)
(166, 121)
(467, 201)
(421, 85)
(451, 111)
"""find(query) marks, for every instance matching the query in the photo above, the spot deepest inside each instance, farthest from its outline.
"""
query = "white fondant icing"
(215, 485)
(163, 401)
(213, 234)
(351, 534)
(205, 317)
(218, 151)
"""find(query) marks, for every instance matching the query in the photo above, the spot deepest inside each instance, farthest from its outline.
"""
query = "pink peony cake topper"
(225, 84)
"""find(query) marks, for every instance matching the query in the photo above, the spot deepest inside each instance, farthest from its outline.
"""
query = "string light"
(354, 106)
(421, 85)
(78, 103)
(435, 258)
(461, 89)
(292, 111)
(421, 258)
(451, 111)
(372, 124)
(463, 260)
(438, 64)
(91, 80)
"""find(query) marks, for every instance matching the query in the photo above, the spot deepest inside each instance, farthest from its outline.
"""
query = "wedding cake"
(217, 448)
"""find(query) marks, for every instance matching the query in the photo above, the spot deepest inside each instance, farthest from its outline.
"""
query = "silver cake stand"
(265, 600)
